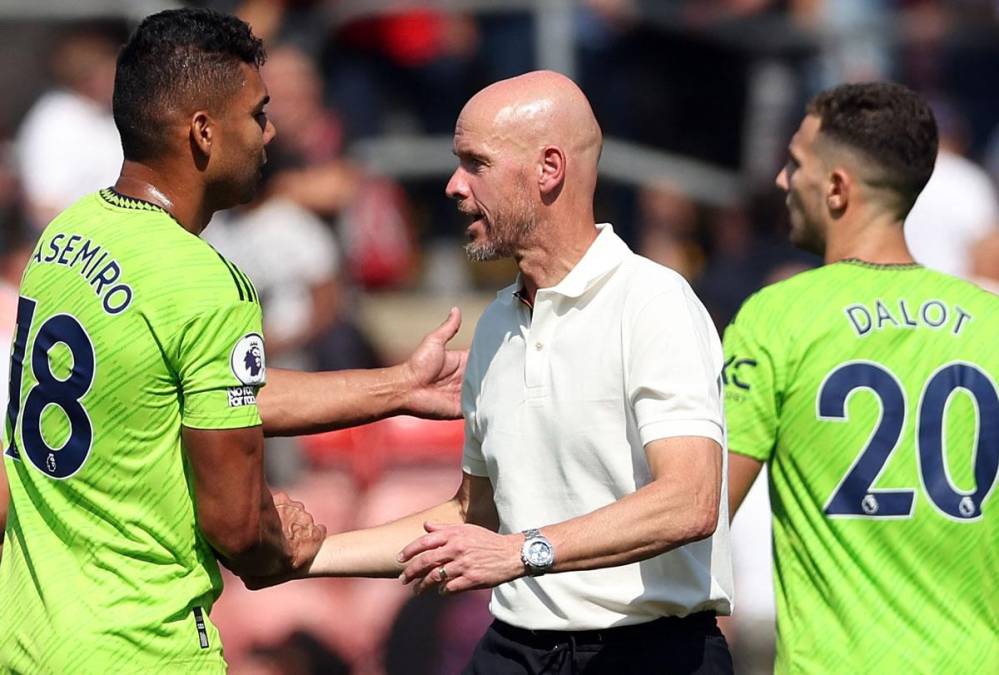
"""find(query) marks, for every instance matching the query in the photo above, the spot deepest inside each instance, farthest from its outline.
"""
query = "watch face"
(539, 553)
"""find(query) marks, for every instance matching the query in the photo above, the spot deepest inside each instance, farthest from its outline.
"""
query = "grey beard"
(483, 252)
(494, 249)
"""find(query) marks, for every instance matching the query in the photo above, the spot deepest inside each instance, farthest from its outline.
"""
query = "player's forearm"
(295, 403)
(742, 473)
(374, 552)
(655, 519)
(262, 549)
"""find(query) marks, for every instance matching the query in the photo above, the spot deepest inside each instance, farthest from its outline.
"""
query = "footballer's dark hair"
(180, 58)
(890, 125)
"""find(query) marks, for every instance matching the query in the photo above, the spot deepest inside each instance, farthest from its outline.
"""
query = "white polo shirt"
(558, 409)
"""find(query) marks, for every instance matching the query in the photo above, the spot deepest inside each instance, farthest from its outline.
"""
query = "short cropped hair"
(890, 125)
(184, 58)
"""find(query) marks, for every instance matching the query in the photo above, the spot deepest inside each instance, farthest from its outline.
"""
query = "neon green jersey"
(870, 391)
(128, 327)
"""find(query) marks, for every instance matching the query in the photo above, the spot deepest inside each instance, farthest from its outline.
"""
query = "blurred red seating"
(367, 450)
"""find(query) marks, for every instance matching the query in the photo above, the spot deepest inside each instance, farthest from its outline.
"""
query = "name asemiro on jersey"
(94, 266)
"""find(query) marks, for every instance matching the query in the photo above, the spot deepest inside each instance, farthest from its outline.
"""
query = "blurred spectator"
(405, 71)
(985, 262)
(309, 169)
(667, 229)
(16, 246)
(853, 39)
(958, 206)
(292, 259)
(310, 132)
(306, 159)
(68, 145)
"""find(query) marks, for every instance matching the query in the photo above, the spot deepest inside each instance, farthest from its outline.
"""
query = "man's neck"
(551, 254)
(182, 199)
(877, 240)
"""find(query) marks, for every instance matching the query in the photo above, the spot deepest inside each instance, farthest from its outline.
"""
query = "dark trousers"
(673, 645)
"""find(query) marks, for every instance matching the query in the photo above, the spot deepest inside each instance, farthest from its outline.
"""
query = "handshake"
(446, 556)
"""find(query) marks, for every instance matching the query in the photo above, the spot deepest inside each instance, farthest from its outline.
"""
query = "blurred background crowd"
(356, 252)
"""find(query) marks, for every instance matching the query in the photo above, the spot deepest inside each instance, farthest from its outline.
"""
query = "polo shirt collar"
(605, 253)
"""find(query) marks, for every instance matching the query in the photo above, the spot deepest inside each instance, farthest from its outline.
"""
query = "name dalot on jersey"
(240, 396)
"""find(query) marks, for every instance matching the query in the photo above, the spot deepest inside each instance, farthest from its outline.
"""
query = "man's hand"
(303, 534)
(471, 557)
(436, 373)
(303, 538)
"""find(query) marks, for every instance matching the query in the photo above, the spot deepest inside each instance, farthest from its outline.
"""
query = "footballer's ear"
(202, 134)
(838, 191)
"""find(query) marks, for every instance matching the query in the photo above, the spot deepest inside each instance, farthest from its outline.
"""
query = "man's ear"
(552, 172)
(202, 133)
(838, 191)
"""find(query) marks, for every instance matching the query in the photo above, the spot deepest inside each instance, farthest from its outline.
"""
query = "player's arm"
(742, 473)
(679, 506)
(752, 386)
(236, 512)
(374, 552)
(428, 384)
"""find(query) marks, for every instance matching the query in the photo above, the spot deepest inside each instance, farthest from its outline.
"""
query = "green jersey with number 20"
(870, 391)
(128, 328)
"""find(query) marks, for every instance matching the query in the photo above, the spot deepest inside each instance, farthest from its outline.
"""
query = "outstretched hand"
(436, 373)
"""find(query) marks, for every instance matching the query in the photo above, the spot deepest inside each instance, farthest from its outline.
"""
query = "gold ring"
(443, 573)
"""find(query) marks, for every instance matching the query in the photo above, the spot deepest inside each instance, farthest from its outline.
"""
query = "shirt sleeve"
(673, 368)
(750, 377)
(221, 366)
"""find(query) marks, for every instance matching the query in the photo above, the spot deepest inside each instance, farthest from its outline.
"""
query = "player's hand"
(303, 539)
(435, 373)
(303, 535)
(472, 557)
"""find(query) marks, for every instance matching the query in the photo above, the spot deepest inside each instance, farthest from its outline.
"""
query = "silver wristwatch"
(537, 553)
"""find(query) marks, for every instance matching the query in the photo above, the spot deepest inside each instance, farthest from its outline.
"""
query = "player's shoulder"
(962, 290)
(161, 261)
(785, 300)
(802, 290)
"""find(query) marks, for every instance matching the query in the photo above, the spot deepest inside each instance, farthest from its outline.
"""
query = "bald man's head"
(527, 147)
(537, 109)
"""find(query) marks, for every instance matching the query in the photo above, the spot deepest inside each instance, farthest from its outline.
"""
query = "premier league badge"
(247, 360)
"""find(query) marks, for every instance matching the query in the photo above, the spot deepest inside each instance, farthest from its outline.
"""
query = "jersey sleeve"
(673, 366)
(750, 381)
(220, 366)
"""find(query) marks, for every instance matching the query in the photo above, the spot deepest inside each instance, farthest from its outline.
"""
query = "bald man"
(592, 497)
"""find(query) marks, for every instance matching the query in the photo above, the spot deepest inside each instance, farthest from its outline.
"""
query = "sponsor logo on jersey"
(730, 372)
(247, 359)
(240, 396)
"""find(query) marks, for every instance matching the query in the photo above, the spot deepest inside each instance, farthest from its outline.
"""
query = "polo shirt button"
(539, 346)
